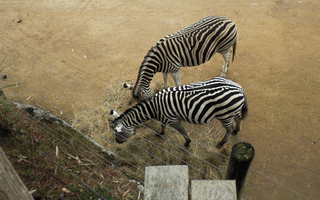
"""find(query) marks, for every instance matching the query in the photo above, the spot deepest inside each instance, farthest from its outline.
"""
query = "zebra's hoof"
(187, 144)
(220, 145)
(234, 132)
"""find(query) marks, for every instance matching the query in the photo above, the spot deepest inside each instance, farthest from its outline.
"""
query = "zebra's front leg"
(179, 127)
(176, 78)
(226, 57)
(165, 80)
(163, 128)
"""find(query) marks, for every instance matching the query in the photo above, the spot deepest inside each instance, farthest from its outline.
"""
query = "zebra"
(196, 103)
(189, 47)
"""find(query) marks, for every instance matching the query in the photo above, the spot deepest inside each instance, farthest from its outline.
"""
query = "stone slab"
(166, 182)
(213, 190)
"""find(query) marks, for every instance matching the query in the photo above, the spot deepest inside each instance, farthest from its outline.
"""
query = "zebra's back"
(196, 26)
(204, 85)
(197, 43)
(200, 102)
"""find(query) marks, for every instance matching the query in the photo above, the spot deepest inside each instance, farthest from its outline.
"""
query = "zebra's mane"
(135, 109)
(191, 28)
(150, 53)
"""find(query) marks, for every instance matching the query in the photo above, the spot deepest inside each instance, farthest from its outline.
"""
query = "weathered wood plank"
(11, 186)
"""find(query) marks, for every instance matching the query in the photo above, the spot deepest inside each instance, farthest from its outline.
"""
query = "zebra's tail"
(234, 47)
(244, 110)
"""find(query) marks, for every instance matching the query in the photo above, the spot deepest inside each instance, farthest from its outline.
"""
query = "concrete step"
(166, 182)
(171, 182)
(213, 190)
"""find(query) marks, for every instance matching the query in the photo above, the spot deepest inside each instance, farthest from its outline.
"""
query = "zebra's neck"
(137, 114)
(147, 70)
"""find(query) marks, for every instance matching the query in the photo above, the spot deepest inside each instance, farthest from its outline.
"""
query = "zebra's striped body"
(189, 47)
(197, 103)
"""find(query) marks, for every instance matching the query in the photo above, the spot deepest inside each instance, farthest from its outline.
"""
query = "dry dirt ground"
(277, 63)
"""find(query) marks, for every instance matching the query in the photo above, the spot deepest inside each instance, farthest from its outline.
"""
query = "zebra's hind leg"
(226, 57)
(229, 129)
(176, 77)
(238, 120)
(179, 127)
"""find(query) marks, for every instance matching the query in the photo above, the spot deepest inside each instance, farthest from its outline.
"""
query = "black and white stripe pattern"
(197, 103)
(191, 46)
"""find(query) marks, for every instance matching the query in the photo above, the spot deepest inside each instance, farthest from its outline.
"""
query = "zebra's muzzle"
(119, 141)
(119, 138)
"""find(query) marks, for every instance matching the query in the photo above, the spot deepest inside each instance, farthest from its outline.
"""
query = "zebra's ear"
(114, 113)
(118, 128)
(128, 86)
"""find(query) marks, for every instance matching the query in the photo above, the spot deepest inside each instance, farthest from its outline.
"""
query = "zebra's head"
(122, 133)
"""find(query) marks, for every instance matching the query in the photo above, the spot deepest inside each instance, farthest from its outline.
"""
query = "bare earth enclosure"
(277, 63)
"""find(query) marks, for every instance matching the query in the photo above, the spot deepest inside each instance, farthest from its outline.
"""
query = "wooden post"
(239, 162)
(11, 186)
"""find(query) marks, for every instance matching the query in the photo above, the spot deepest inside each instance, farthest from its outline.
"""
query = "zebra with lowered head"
(197, 103)
(189, 47)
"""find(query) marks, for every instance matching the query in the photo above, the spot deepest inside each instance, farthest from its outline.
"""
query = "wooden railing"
(11, 186)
